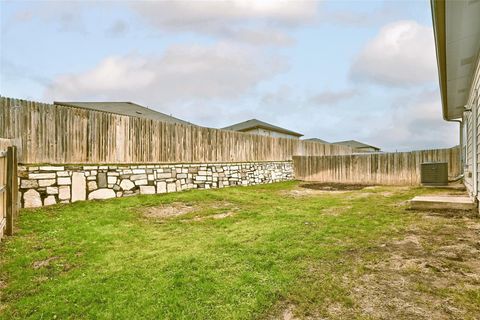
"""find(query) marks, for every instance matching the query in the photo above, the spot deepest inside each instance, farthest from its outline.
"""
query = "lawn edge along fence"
(70, 154)
(47, 133)
(396, 168)
(51, 184)
(8, 187)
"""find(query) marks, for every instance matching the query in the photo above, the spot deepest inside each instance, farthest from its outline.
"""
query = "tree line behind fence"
(399, 168)
(46, 133)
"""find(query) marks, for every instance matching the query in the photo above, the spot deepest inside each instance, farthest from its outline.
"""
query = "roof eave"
(292, 133)
(439, 30)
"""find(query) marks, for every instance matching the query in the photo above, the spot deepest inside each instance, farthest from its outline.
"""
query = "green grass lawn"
(274, 249)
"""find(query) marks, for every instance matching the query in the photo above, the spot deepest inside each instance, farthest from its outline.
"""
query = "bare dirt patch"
(224, 210)
(316, 189)
(300, 192)
(43, 263)
(288, 314)
(227, 211)
(334, 186)
(213, 216)
(168, 210)
(285, 312)
(409, 277)
(223, 215)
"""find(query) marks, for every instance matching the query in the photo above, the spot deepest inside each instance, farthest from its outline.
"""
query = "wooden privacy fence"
(8, 187)
(46, 133)
(399, 168)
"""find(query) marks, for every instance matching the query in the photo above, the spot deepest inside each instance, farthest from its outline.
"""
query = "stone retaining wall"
(47, 185)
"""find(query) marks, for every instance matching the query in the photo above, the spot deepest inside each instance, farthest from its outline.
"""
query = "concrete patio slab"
(451, 202)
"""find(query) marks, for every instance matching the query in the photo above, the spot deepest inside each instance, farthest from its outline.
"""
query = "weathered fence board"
(46, 133)
(8, 187)
(399, 168)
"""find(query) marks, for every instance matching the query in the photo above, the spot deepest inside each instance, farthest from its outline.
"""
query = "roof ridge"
(126, 108)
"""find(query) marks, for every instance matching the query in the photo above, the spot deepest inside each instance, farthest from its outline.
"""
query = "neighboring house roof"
(356, 144)
(124, 108)
(456, 25)
(254, 124)
(317, 140)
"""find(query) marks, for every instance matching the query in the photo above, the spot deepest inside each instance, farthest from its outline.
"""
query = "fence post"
(15, 202)
(12, 189)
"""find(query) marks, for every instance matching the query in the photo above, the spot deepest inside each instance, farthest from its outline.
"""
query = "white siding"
(468, 142)
(473, 104)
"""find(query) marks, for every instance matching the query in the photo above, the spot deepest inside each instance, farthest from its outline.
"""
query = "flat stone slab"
(443, 202)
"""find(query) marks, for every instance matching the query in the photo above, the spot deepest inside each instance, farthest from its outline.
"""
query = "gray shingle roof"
(124, 108)
(254, 124)
(317, 140)
(355, 144)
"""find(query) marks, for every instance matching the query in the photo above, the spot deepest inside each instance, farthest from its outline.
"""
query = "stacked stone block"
(47, 185)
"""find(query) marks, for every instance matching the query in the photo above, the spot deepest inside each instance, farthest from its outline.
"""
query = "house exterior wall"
(468, 145)
(269, 133)
(471, 143)
(474, 102)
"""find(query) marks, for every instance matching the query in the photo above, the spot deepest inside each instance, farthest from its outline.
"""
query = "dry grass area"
(319, 189)
(431, 272)
(166, 211)
(334, 186)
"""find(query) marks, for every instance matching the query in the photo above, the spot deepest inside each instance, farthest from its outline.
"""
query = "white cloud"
(386, 11)
(182, 74)
(402, 54)
(330, 98)
(405, 122)
(415, 123)
(264, 36)
(286, 98)
(208, 15)
(251, 21)
(67, 15)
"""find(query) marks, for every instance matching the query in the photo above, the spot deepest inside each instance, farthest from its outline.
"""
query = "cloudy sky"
(333, 70)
